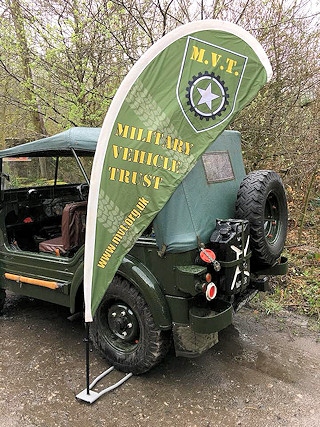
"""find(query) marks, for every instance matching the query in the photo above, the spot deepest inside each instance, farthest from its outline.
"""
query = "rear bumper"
(202, 332)
(278, 269)
(206, 321)
(195, 329)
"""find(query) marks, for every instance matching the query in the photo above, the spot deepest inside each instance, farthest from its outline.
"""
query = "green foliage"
(72, 64)
(271, 304)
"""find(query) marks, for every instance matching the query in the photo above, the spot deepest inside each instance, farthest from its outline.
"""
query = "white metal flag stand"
(88, 395)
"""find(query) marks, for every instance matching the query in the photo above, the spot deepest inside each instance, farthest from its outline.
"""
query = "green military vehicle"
(211, 248)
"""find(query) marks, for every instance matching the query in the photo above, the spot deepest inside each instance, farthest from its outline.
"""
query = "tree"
(61, 62)
(280, 128)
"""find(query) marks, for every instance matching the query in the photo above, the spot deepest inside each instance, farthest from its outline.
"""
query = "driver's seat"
(72, 230)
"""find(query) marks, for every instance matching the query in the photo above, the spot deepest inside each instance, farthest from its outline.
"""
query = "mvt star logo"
(207, 96)
(208, 84)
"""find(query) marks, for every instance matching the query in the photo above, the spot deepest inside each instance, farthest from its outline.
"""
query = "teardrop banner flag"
(175, 101)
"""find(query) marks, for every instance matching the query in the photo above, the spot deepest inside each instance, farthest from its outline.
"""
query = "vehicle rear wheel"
(124, 330)
(262, 201)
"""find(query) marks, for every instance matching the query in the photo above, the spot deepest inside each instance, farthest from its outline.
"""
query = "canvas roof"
(82, 139)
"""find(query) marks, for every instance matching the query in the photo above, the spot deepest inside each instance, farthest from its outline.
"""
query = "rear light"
(208, 277)
(211, 291)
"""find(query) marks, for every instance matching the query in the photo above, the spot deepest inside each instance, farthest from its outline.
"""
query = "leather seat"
(72, 230)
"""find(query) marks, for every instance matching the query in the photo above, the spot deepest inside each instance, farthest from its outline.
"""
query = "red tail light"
(211, 291)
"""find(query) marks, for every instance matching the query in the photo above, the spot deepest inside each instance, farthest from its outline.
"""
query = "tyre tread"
(250, 205)
(156, 342)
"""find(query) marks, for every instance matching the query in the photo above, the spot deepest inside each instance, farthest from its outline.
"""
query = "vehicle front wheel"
(124, 331)
(2, 300)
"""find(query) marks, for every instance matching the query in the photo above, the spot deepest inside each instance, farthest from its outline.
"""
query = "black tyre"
(124, 330)
(262, 201)
(2, 300)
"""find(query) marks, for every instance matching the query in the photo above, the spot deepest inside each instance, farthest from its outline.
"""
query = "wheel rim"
(120, 326)
(272, 223)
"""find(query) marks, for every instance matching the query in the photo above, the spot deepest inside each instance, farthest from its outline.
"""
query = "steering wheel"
(83, 190)
(32, 194)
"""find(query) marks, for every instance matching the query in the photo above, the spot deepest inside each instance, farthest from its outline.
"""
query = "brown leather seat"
(72, 228)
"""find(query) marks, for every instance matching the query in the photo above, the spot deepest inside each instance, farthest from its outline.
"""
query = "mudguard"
(146, 283)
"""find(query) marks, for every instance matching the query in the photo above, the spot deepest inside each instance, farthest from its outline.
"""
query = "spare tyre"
(262, 201)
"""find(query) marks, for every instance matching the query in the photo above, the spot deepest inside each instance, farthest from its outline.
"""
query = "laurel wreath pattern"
(111, 217)
(108, 213)
(142, 102)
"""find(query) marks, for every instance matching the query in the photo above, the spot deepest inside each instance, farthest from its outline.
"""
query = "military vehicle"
(212, 247)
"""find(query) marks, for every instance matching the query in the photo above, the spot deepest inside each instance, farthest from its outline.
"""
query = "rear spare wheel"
(262, 201)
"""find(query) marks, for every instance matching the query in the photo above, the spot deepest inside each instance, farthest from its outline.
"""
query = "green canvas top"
(190, 214)
(82, 139)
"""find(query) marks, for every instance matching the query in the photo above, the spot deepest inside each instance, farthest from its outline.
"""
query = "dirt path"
(264, 371)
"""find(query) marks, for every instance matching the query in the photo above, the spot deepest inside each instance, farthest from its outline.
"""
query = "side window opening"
(37, 194)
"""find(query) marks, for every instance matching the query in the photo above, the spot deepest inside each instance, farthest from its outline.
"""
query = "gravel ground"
(264, 371)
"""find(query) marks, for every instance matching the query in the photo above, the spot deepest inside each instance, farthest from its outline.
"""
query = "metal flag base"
(90, 396)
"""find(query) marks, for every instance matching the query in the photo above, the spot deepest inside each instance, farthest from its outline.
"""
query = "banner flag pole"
(174, 102)
(87, 341)
(88, 395)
